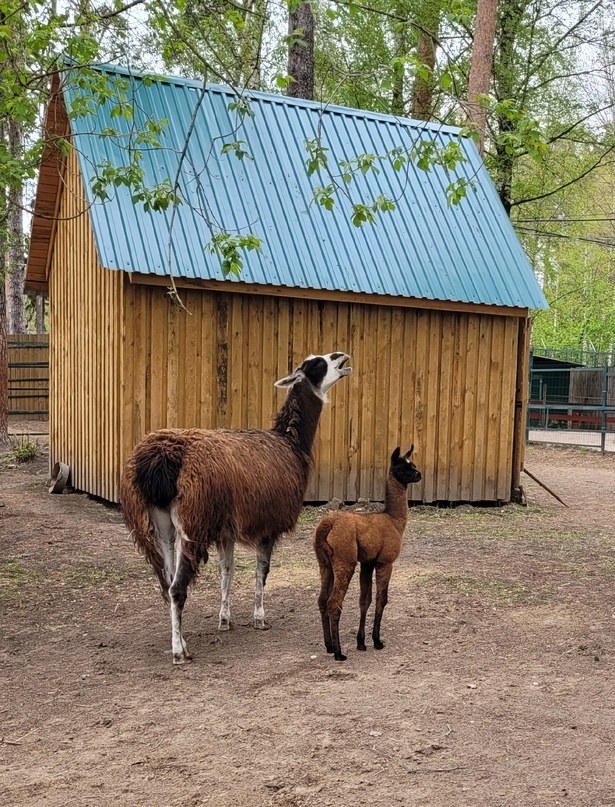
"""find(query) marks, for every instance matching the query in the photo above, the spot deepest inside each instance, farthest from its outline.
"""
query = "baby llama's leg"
(365, 600)
(383, 575)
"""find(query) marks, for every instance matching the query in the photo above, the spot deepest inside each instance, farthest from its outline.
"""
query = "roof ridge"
(273, 97)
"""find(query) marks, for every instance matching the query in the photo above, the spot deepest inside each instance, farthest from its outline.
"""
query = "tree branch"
(567, 184)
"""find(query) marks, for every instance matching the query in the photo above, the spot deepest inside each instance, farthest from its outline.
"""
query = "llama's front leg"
(263, 561)
(226, 559)
(383, 575)
(365, 600)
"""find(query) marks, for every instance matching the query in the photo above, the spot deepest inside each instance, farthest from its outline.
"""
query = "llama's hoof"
(361, 647)
(340, 657)
(224, 626)
(378, 644)
(260, 624)
(182, 658)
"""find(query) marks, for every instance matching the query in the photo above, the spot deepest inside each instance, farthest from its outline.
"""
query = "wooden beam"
(520, 417)
(240, 287)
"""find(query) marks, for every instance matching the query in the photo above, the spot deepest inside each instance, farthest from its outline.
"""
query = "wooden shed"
(431, 301)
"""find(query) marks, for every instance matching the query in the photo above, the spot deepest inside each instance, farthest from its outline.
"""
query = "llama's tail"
(157, 464)
(150, 480)
(319, 542)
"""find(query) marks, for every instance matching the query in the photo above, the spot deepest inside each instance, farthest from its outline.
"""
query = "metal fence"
(572, 406)
(28, 356)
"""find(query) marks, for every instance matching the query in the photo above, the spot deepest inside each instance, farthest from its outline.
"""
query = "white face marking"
(335, 370)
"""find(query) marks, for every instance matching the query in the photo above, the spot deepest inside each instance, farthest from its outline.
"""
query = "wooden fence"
(28, 356)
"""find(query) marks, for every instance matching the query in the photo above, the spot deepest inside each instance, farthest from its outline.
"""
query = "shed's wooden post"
(521, 395)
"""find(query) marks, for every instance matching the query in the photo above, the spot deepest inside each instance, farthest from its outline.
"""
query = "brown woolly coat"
(350, 538)
(243, 484)
(224, 487)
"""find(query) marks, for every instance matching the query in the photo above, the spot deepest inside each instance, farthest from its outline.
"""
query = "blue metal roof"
(423, 249)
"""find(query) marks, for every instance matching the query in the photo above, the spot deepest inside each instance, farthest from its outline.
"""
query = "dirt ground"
(496, 685)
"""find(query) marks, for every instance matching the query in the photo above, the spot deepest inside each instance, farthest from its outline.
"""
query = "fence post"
(605, 402)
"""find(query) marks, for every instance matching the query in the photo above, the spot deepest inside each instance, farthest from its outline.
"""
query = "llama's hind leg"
(263, 561)
(365, 600)
(326, 586)
(184, 573)
(165, 538)
(342, 578)
(226, 559)
(383, 575)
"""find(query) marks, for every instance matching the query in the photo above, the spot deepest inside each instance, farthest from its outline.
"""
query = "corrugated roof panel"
(425, 249)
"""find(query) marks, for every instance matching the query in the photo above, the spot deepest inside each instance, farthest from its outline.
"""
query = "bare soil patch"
(495, 686)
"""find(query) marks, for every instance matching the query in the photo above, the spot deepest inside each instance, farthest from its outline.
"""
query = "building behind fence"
(572, 403)
(28, 357)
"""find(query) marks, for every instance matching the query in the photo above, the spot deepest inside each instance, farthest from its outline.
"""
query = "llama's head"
(322, 372)
(403, 469)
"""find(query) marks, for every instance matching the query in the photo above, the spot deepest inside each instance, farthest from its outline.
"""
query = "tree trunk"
(510, 17)
(301, 53)
(40, 312)
(16, 260)
(252, 42)
(4, 361)
(422, 91)
(401, 50)
(481, 64)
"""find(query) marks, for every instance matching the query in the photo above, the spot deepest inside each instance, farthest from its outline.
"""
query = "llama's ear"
(289, 380)
(409, 453)
(395, 455)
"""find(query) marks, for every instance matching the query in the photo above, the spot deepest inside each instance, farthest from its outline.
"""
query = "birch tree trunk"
(40, 312)
(16, 267)
(4, 361)
(252, 42)
(481, 66)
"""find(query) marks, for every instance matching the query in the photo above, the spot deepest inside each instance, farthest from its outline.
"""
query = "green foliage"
(568, 238)
(236, 147)
(541, 133)
(317, 160)
(229, 247)
(24, 450)
(241, 105)
(427, 154)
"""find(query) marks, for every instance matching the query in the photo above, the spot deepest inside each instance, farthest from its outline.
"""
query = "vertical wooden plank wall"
(86, 318)
(445, 381)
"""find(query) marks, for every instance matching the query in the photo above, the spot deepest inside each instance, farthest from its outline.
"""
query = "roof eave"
(242, 287)
(48, 193)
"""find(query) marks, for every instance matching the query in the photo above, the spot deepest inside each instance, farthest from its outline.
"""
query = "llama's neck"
(396, 501)
(298, 418)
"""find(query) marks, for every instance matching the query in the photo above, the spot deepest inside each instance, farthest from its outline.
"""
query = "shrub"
(25, 450)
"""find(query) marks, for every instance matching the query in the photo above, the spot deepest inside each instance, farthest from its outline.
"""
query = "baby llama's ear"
(289, 380)
(409, 453)
(395, 455)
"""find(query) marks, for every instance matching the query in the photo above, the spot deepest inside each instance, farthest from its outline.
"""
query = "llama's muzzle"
(340, 365)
